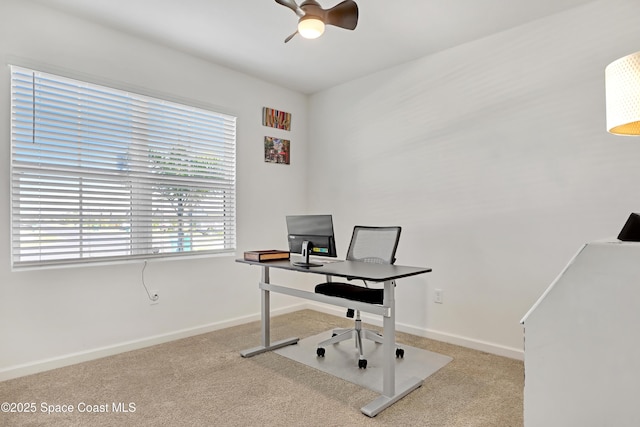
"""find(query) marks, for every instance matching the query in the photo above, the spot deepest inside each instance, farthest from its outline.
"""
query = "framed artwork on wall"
(276, 119)
(276, 150)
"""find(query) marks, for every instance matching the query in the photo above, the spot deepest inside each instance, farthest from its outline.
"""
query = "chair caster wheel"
(400, 353)
(320, 352)
(362, 364)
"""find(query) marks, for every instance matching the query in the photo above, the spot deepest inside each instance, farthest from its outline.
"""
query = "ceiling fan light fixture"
(310, 27)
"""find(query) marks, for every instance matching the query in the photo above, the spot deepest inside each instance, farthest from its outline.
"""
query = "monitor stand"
(306, 246)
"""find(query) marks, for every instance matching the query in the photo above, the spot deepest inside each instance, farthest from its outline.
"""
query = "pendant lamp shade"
(622, 79)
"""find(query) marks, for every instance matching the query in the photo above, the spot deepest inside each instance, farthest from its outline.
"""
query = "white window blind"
(99, 174)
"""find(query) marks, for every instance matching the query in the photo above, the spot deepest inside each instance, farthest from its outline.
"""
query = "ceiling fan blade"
(343, 15)
(290, 37)
(291, 4)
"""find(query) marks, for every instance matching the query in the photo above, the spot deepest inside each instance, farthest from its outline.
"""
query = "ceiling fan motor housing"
(312, 8)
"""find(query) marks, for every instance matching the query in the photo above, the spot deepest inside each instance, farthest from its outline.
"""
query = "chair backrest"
(374, 244)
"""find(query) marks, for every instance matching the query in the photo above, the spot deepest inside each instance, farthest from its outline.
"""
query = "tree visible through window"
(101, 174)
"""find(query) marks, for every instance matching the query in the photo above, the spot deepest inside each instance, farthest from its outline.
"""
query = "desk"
(352, 270)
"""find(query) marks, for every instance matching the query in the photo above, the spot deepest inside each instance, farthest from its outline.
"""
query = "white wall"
(494, 158)
(52, 317)
(582, 355)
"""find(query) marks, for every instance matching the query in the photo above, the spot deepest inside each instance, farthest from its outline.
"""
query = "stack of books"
(266, 255)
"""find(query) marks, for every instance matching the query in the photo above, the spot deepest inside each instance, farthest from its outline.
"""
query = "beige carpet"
(203, 381)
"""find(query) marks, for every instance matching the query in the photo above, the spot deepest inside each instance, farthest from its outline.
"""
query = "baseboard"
(487, 347)
(85, 356)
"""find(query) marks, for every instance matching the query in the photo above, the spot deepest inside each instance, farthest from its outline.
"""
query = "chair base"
(339, 335)
(357, 334)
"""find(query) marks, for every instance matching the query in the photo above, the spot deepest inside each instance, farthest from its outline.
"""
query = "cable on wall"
(151, 297)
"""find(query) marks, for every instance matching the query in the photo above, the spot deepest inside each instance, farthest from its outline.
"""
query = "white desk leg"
(265, 314)
(389, 395)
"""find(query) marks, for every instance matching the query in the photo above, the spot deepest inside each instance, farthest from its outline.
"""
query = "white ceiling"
(248, 35)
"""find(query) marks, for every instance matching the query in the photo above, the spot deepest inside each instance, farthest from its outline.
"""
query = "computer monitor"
(311, 235)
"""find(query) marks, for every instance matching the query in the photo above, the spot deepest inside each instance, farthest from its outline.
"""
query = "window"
(99, 174)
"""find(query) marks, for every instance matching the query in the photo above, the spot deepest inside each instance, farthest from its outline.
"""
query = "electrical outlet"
(155, 297)
(438, 296)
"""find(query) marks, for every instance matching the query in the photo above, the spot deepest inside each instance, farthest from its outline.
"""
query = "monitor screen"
(316, 230)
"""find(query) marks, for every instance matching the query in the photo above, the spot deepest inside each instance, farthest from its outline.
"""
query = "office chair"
(368, 244)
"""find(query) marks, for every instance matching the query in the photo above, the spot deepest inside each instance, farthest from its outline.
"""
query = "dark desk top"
(348, 269)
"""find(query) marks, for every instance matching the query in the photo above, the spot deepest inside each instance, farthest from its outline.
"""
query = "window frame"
(186, 172)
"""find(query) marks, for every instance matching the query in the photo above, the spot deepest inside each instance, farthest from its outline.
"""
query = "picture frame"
(276, 119)
(277, 150)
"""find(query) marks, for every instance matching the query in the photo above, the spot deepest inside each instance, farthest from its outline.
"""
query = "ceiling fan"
(313, 18)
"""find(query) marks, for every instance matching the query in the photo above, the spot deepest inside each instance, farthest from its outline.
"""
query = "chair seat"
(352, 292)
